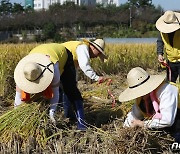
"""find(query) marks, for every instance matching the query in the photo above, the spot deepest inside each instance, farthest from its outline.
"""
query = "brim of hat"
(132, 93)
(97, 47)
(103, 57)
(167, 28)
(42, 83)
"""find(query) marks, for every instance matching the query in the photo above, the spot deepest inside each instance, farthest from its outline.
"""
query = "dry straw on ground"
(27, 129)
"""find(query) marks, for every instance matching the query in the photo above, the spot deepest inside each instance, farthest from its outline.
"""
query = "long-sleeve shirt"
(160, 43)
(84, 62)
(167, 95)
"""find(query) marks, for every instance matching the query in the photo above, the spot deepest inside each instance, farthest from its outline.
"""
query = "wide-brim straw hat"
(169, 22)
(140, 83)
(99, 44)
(34, 73)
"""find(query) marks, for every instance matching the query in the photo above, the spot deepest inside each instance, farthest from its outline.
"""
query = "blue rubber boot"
(177, 137)
(68, 111)
(80, 115)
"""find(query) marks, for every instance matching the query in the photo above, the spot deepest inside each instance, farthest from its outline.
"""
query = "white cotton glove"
(17, 101)
(53, 103)
(51, 115)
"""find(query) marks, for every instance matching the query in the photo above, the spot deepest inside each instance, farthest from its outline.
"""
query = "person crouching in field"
(40, 71)
(156, 102)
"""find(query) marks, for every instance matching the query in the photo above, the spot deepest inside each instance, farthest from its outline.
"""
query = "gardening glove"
(51, 115)
(17, 101)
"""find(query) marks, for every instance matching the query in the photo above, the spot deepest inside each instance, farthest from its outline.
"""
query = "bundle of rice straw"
(27, 120)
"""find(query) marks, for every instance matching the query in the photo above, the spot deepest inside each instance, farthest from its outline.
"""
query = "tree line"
(59, 22)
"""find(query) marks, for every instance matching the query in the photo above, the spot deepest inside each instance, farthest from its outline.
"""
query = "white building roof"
(44, 4)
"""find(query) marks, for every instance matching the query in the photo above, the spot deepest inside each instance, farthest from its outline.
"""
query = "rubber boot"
(61, 93)
(177, 137)
(68, 111)
(80, 115)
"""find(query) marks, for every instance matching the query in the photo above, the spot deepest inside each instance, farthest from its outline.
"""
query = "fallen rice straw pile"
(30, 122)
(25, 121)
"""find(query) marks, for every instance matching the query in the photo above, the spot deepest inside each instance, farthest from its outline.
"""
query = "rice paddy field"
(27, 129)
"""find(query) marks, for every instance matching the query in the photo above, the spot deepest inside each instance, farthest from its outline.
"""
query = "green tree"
(17, 8)
(29, 9)
(140, 3)
(5, 7)
(49, 30)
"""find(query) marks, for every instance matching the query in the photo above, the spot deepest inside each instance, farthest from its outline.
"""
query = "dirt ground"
(104, 116)
(101, 100)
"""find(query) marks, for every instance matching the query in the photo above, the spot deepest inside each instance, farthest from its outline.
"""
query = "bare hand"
(160, 58)
(101, 79)
(136, 122)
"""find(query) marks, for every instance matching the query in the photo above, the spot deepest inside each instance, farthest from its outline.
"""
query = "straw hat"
(99, 44)
(34, 73)
(140, 83)
(169, 22)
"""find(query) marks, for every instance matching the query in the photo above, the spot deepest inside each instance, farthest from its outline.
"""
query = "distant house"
(44, 4)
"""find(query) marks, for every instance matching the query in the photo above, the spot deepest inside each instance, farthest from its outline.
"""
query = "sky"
(165, 4)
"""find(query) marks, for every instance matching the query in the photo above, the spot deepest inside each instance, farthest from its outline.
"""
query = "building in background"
(29, 3)
(44, 4)
(108, 2)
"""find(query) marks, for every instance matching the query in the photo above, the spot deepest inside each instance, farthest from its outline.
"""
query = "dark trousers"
(68, 80)
(74, 98)
(174, 130)
(175, 71)
(71, 94)
(176, 127)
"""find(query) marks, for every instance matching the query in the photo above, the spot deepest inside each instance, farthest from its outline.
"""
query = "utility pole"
(130, 16)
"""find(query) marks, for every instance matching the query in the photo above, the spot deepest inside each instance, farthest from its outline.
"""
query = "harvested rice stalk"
(100, 91)
(27, 120)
